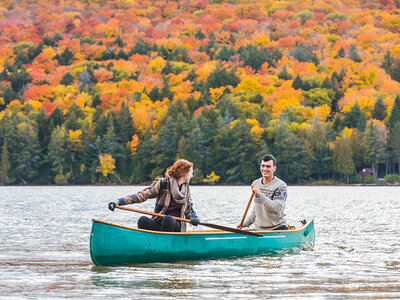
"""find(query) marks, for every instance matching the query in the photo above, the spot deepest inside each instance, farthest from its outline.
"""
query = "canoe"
(112, 244)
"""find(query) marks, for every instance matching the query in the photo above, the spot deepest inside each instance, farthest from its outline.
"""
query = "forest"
(96, 91)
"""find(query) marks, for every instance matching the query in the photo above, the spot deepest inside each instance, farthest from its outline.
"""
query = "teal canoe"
(112, 244)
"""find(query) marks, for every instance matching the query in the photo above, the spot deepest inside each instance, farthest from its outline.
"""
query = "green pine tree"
(56, 117)
(141, 48)
(65, 58)
(166, 146)
(19, 78)
(352, 118)
(342, 157)
(225, 53)
(154, 94)
(357, 148)
(67, 79)
(297, 83)
(395, 114)
(222, 77)
(321, 162)
(180, 54)
(380, 110)
(195, 149)
(387, 62)
(5, 164)
(288, 151)
(341, 52)
(166, 91)
(374, 145)
(394, 120)
(284, 74)
(58, 151)
(394, 144)
(110, 144)
(142, 163)
(327, 84)
(29, 156)
(123, 124)
(353, 54)
(361, 123)
(118, 41)
(200, 35)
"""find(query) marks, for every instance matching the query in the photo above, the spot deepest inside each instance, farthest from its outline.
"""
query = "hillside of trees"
(97, 91)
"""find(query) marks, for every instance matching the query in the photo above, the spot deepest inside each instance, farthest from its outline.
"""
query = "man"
(270, 199)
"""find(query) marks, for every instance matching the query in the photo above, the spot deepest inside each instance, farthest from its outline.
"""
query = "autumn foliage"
(120, 89)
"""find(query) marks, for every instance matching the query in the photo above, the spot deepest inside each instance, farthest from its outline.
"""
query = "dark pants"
(168, 224)
(282, 227)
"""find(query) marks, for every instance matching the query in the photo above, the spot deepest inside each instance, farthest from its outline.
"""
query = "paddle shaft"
(151, 213)
(188, 221)
(247, 209)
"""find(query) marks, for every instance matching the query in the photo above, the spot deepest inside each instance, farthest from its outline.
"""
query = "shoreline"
(206, 185)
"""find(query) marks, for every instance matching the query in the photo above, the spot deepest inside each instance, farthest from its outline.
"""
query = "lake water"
(44, 249)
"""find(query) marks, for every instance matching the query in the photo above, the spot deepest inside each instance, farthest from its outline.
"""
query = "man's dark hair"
(268, 157)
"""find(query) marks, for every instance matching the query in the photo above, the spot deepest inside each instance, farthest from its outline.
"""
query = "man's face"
(267, 168)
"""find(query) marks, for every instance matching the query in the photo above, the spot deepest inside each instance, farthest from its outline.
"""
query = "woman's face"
(188, 176)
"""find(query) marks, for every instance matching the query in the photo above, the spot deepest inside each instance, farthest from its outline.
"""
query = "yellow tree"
(74, 139)
(282, 97)
(211, 178)
(133, 144)
(107, 165)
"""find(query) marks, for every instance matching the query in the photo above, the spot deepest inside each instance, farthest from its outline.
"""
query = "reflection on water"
(174, 282)
(44, 247)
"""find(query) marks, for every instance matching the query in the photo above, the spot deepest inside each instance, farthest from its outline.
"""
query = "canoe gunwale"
(202, 232)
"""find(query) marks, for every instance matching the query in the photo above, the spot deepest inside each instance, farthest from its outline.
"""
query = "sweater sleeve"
(190, 213)
(147, 193)
(276, 203)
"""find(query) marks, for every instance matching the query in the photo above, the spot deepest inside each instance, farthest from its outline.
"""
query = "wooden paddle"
(188, 221)
(247, 209)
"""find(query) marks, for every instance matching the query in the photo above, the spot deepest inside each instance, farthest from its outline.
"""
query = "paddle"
(247, 209)
(188, 221)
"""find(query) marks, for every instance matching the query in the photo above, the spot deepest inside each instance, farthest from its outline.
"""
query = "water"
(44, 247)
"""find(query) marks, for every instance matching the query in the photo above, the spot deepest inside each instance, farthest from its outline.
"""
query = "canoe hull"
(112, 244)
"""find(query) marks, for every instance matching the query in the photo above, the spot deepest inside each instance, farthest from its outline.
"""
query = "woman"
(173, 199)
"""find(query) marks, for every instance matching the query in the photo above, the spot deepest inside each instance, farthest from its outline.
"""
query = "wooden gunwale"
(202, 232)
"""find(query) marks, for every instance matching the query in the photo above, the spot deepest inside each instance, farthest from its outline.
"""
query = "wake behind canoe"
(112, 244)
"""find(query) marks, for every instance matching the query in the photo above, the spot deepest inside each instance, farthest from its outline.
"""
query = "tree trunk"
(20, 177)
(387, 164)
(373, 169)
(115, 174)
(398, 161)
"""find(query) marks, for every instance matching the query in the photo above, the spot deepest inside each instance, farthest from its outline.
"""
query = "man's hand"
(256, 189)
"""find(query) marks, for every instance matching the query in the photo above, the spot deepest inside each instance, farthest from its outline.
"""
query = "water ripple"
(45, 231)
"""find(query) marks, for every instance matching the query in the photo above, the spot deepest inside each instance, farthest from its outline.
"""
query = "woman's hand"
(195, 221)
